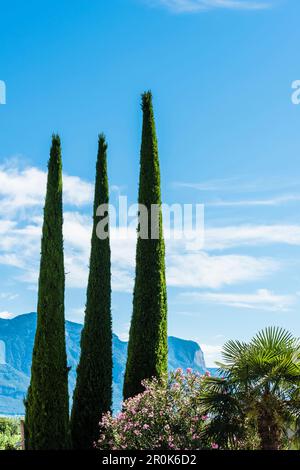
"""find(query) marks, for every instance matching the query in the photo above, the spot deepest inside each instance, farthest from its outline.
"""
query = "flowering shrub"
(167, 415)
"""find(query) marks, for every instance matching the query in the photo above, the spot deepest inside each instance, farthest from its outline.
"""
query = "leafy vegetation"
(167, 415)
(93, 391)
(256, 402)
(10, 437)
(253, 404)
(47, 403)
(148, 344)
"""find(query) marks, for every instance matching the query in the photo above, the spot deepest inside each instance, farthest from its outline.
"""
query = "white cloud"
(19, 248)
(76, 315)
(77, 192)
(77, 235)
(221, 238)
(22, 193)
(191, 6)
(11, 259)
(124, 335)
(212, 354)
(203, 270)
(262, 299)
(240, 184)
(77, 231)
(5, 226)
(21, 233)
(21, 189)
(7, 315)
(273, 201)
(219, 184)
(8, 296)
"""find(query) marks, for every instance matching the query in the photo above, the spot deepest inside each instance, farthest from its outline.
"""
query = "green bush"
(166, 415)
(10, 437)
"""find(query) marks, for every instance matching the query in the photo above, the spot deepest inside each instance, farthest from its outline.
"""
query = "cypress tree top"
(147, 348)
(93, 391)
(47, 405)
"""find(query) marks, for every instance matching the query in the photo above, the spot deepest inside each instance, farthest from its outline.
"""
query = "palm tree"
(257, 392)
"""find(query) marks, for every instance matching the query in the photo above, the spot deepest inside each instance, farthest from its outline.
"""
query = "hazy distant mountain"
(17, 336)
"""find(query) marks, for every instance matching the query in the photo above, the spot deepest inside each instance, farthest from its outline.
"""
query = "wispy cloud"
(19, 249)
(192, 6)
(274, 192)
(210, 185)
(203, 270)
(262, 299)
(240, 184)
(272, 201)
(221, 238)
(8, 296)
(20, 240)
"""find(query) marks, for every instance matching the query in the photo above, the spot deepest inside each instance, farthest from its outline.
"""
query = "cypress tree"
(93, 391)
(148, 347)
(47, 403)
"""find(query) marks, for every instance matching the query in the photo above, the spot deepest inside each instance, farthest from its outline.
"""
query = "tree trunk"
(268, 429)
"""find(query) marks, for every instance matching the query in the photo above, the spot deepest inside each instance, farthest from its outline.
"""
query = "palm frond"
(275, 338)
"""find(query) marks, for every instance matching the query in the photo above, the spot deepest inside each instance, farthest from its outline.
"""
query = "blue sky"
(221, 75)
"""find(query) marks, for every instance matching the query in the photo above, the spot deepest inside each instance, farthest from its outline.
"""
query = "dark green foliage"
(93, 391)
(47, 403)
(147, 349)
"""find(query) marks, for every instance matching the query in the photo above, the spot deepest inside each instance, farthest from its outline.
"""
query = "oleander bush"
(167, 415)
(253, 403)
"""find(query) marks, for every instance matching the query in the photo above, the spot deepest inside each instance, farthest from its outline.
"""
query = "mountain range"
(16, 343)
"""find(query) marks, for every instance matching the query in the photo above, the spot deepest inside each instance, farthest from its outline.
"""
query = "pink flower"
(207, 374)
(204, 417)
(189, 370)
(146, 426)
(128, 426)
(214, 445)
